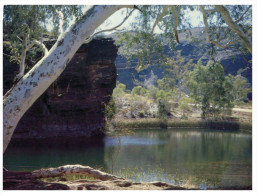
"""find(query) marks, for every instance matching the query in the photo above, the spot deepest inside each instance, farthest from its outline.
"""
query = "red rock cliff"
(74, 104)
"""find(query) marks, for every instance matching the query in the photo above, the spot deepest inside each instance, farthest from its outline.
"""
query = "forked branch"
(108, 30)
(163, 13)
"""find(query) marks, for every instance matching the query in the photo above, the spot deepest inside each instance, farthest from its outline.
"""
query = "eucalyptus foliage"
(21, 21)
(143, 45)
(212, 89)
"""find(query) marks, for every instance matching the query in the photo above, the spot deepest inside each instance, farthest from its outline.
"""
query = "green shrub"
(162, 111)
(119, 90)
(138, 90)
(110, 109)
(161, 95)
(185, 106)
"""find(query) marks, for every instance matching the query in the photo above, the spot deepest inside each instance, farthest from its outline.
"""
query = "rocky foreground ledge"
(101, 181)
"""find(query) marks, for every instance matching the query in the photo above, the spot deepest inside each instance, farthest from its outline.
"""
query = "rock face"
(74, 104)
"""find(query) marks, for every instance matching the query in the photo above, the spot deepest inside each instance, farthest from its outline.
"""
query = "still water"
(196, 158)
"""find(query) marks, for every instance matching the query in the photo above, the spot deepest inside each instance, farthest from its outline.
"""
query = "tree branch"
(210, 10)
(164, 11)
(108, 30)
(205, 23)
(23, 57)
(19, 38)
(60, 14)
(208, 40)
(226, 16)
(136, 7)
(24, 53)
(238, 20)
(176, 20)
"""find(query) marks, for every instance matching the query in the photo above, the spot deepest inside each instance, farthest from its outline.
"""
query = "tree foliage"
(185, 105)
(138, 90)
(176, 73)
(212, 89)
(240, 88)
(144, 46)
(25, 23)
(110, 109)
(119, 90)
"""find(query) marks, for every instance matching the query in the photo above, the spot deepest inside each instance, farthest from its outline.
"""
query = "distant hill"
(192, 47)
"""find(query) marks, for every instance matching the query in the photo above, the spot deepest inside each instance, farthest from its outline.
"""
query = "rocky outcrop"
(97, 180)
(74, 104)
(30, 181)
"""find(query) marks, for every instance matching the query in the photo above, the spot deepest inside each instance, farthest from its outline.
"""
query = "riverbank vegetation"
(188, 95)
(207, 98)
(189, 124)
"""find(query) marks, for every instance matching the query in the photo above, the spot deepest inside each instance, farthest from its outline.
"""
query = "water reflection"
(28, 155)
(185, 157)
(202, 158)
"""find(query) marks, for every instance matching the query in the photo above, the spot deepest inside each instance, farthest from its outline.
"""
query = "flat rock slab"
(26, 181)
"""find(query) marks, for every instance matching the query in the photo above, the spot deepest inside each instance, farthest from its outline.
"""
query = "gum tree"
(31, 85)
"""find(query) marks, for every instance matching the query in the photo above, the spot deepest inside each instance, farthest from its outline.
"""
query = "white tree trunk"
(29, 88)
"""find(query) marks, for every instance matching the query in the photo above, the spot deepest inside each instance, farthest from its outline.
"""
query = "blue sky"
(194, 17)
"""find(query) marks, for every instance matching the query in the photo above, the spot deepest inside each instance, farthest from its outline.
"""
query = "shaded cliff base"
(58, 179)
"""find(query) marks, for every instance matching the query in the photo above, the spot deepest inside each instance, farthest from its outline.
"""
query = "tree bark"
(32, 85)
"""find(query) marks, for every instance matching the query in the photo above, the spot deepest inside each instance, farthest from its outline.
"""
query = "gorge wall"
(74, 104)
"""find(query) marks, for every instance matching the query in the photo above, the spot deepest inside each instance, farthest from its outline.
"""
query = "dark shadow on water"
(32, 154)
(226, 125)
(58, 142)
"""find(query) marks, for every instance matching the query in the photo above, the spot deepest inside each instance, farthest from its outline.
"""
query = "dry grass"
(157, 123)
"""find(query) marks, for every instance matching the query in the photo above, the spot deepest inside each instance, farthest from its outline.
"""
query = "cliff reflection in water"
(31, 154)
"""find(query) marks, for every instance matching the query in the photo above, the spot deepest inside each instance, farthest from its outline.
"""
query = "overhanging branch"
(208, 40)
(226, 16)
(176, 20)
(108, 30)
(164, 11)
(238, 20)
